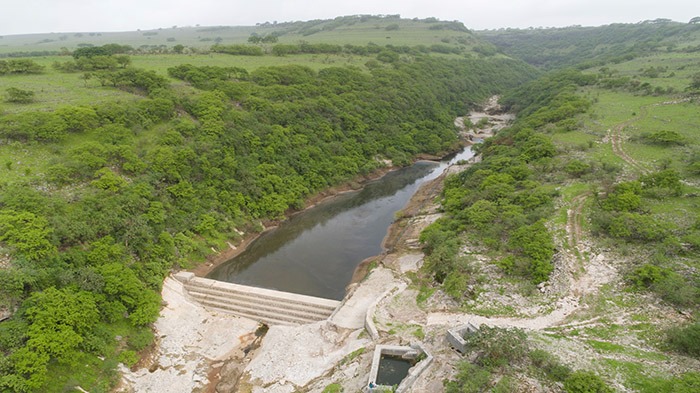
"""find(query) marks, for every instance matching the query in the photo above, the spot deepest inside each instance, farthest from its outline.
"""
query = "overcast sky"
(44, 16)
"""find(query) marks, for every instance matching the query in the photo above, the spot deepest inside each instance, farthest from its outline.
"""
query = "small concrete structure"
(369, 315)
(412, 352)
(263, 305)
(455, 336)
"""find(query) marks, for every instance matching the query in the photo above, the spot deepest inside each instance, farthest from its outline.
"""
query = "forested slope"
(124, 190)
(595, 46)
(581, 221)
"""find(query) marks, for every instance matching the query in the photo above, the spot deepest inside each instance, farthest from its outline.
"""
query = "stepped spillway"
(263, 305)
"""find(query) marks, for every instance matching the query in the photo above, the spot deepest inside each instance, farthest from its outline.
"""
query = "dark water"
(316, 252)
(392, 370)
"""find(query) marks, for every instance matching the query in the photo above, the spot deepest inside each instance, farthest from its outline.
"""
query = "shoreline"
(288, 354)
(218, 258)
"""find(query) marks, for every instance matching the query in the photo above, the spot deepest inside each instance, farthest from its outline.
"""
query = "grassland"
(673, 69)
(348, 30)
(627, 339)
(53, 88)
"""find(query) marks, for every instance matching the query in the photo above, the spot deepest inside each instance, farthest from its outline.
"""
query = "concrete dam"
(263, 305)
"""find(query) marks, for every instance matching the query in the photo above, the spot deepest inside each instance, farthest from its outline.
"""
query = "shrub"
(142, 338)
(498, 347)
(129, 358)
(585, 382)
(647, 275)
(634, 226)
(686, 339)
(19, 96)
(469, 379)
(577, 168)
(550, 365)
(664, 138)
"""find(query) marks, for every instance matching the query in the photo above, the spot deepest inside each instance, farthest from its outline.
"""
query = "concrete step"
(262, 319)
(266, 307)
(311, 310)
(257, 313)
(262, 293)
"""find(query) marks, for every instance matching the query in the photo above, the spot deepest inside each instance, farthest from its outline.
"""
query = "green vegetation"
(499, 351)
(126, 155)
(504, 200)
(343, 30)
(686, 339)
(333, 388)
(19, 96)
(587, 47)
(585, 382)
(175, 160)
(611, 128)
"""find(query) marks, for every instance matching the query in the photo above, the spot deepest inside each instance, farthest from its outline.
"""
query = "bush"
(469, 379)
(686, 339)
(664, 138)
(19, 96)
(634, 226)
(585, 382)
(647, 275)
(498, 347)
(129, 358)
(551, 366)
(142, 338)
(576, 168)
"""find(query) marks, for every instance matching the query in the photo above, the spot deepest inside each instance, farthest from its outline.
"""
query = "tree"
(695, 81)
(254, 39)
(534, 242)
(86, 77)
(179, 48)
(123, 60)
(59, 320)
(19, 96)
(27, 233)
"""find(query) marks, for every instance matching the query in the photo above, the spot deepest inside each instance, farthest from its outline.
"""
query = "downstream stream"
(316, 252)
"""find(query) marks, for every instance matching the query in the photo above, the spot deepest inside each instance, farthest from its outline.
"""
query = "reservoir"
(316, 251)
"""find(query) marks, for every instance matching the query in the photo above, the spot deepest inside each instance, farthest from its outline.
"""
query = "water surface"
(392, 370)
(316, 252)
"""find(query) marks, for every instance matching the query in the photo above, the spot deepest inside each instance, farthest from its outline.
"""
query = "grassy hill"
(352, 30)
(590, 46)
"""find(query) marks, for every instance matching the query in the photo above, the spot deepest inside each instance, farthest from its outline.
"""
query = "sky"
(56, 16)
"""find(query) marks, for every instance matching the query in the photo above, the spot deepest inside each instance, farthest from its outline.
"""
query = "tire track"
(616, 139)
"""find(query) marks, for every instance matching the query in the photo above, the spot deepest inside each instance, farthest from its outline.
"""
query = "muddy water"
(316, 252)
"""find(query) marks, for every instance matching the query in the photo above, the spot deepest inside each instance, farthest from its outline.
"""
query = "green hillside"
(351, 30)
(592, 194)
(125, 156)
(123, 159)
(591, 46)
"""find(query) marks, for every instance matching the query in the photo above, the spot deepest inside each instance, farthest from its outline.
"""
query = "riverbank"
(219, 257)
(301, 358)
